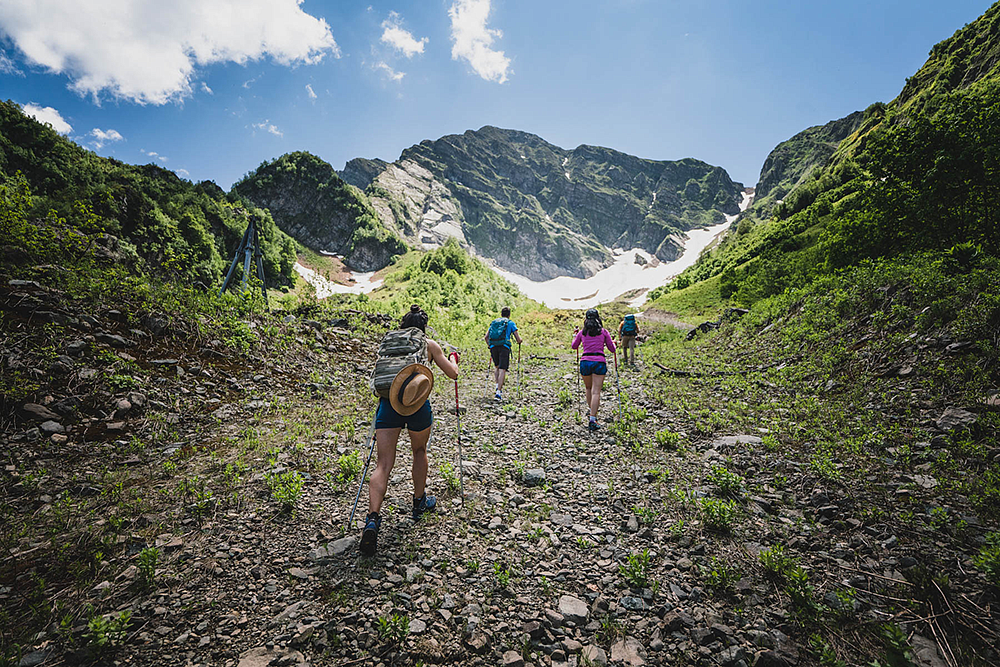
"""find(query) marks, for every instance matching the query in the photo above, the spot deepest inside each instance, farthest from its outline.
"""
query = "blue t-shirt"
(511, 328)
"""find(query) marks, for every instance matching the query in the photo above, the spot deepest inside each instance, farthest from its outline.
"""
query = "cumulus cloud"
(472, 41)
(310, 91)
(148, 51)
(48, 115)
(268, 126)
(389, 71)
(154, 154)
(399, 38)
(102, 137)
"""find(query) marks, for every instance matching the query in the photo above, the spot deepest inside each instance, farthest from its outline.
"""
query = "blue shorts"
(386, 417)
(588, 367)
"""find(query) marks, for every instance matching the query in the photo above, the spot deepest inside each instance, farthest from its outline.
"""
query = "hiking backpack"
(398, 349)
(630, 328)
(498, 331)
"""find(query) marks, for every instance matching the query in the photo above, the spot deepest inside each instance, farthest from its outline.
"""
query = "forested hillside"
(177, 228)
(310, 202)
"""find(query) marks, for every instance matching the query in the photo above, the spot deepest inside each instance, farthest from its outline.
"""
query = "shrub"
(718, 514)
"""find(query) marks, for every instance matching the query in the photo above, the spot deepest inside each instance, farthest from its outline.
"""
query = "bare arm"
(517, 337)
(444, 363)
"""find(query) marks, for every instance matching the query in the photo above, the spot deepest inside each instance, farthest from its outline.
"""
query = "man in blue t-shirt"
(498, 338)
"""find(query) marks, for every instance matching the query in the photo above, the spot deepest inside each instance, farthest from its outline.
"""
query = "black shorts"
(501, 356)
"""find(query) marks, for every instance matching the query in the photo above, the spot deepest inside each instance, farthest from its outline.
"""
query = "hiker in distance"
(404, 382)
(627, 332)
(498, 338)
(593, 365)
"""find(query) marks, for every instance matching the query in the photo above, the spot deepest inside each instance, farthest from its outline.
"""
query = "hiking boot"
(498, 395)
(369, 536)
(593, 426)
(423, 504)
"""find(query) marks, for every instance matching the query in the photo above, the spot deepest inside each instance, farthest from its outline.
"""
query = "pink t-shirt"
(593, 346)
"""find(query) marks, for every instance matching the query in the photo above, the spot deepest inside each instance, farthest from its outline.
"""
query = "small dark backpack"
(630, 328)
(498, 331)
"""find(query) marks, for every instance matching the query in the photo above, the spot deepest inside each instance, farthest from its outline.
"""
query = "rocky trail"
(206, 502)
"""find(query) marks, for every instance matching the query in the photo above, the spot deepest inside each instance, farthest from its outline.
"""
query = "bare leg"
(418, 443)
(588, 383)
(501, 377)
(385, 441)
(595, 395)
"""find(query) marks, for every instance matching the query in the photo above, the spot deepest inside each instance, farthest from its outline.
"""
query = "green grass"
(694, 304)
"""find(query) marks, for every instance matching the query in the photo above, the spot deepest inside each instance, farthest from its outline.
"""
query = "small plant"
(473, 565)
(775, 562)
(635, 570)
(104, 634)
(564, 398)
(647, 514)
(823, 465)
(770, 443)
(286, 487)
(668, 439)
(146, 563)
(988, 559)
(502, 575)
(450, 478)
(658, 474)
(718, 514)
(610, 630)
(348, 467)
(727, 483)
(722, 576)
(824, 652)
(393, 629)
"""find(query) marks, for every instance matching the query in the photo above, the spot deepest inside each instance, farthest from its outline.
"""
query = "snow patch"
(622, 276)
(363, 282)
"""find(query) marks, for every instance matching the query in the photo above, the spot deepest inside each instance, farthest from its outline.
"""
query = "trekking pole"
(577, 369)
(619, 388)
(371, 436)
(520, 393)
(458, 428)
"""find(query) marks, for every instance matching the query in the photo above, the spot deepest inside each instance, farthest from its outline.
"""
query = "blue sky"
(211, 88)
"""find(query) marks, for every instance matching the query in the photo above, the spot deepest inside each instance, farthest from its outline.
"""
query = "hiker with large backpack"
(403, 382)
(498, 338)
(627, 332)
(593, 366)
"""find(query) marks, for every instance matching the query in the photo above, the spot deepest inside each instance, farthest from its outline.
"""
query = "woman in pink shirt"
(593, 366)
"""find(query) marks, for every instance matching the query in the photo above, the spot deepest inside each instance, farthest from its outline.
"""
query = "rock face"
(540, 210)
(310, 202)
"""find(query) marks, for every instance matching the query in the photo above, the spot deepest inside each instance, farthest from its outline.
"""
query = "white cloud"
(267, 126)
(7, 66)
(154, 154)
(148, 51)
(472, 40)
(183, 172)
(310, 91)
(101, 137)
(205, 88)
(399, 38)
(389, 72)
(48, 115)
